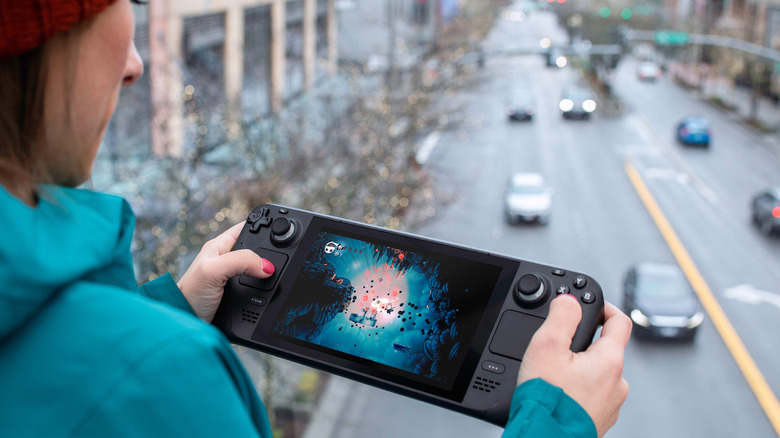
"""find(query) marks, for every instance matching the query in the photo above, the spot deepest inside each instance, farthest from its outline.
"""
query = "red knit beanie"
(27, 24)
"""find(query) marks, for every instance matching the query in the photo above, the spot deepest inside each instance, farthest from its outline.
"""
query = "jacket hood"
(72, 236)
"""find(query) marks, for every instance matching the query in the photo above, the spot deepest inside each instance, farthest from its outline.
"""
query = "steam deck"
(427, 319)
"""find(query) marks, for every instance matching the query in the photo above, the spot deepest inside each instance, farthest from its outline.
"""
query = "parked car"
(765, 210)
(577, 102)
(527, 199)
(694, 131)
(648, 71)
(661, 302)
(521, 105)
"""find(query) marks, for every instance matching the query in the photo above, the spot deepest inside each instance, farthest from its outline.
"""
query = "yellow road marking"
(755, 379)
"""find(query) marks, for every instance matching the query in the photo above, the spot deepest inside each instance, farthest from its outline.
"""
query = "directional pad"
(258, 220)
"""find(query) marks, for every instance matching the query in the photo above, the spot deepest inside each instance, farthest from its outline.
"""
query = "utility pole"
(391, 32)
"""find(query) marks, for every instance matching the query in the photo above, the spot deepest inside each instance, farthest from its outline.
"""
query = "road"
(600, 226)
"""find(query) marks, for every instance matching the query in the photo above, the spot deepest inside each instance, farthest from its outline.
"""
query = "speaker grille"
(485, 385)
(249, 316)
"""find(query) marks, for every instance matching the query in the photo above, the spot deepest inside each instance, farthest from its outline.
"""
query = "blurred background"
(634, 140)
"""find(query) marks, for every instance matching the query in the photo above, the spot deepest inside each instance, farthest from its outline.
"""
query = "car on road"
(765, 210)
(694, 131)
(661, 302)
(648, 71)
(577, 102)
(527, 198)
(556, 58)
(521, 105)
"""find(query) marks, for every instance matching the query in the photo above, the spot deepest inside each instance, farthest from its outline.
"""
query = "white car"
(527, 199)
(648, 71)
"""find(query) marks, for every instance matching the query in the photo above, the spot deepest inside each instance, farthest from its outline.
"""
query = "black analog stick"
(281, 226)
(282, 230)
(529, 284)
(530, 290)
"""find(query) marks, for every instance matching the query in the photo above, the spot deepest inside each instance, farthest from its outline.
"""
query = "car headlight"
(640, 318)
(695, 320)
(589, 105)
(566, 105)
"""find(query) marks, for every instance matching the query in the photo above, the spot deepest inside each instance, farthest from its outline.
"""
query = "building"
(261, 52)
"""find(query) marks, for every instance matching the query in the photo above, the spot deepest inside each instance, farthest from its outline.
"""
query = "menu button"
(493, 367)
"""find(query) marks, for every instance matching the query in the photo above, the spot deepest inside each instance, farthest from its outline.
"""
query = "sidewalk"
(722, 92)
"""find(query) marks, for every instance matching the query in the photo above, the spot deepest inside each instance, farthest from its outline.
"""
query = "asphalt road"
(600, 226)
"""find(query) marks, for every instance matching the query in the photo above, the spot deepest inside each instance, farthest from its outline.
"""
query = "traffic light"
(626, 13)
(604, 12)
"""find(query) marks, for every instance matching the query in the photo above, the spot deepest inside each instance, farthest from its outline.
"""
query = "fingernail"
(570, 296)
(268, 267)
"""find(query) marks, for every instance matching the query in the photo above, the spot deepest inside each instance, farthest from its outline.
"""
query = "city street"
(600, 226)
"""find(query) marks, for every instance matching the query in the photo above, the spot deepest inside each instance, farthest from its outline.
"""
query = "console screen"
(404, 308)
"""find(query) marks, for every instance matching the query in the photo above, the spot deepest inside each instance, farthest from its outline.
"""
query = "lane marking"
(666, 173)
(427, 147)
(579, 228)
(749, 294)
(766, 398)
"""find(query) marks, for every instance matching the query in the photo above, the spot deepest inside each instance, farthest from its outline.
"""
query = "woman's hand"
(204, 282)
(593, 378)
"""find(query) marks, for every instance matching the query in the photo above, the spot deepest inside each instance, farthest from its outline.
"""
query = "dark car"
(661, 302)
(694, 131)
(521, 105)
(556, 58)
(765, 210)
(577, 102)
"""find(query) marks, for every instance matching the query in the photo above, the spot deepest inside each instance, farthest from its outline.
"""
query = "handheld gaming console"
(427, 319)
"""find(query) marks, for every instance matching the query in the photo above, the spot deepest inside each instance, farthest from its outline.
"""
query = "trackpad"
(514, 334)
(277, 259)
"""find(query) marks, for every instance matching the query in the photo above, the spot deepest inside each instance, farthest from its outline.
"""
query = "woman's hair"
(22, 88)
(23, 80)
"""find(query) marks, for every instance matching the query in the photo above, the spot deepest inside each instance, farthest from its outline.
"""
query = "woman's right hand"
(593, 378)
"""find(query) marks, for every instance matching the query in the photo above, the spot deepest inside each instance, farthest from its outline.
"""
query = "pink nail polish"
(268, 267)
(570, 296)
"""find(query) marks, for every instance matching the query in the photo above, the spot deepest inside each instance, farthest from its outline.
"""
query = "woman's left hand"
(204, 282)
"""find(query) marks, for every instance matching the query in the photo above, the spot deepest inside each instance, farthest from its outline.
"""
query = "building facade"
(255, 52)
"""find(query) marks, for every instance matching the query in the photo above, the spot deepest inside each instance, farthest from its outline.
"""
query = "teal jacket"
(85, 353)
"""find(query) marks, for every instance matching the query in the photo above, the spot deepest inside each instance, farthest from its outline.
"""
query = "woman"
(85, 353)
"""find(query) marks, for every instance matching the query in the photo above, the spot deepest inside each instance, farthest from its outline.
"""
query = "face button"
(588, 297)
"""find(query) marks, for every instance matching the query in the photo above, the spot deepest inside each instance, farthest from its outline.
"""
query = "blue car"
(694, 131)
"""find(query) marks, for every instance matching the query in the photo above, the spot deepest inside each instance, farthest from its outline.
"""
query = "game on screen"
(409, 310)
